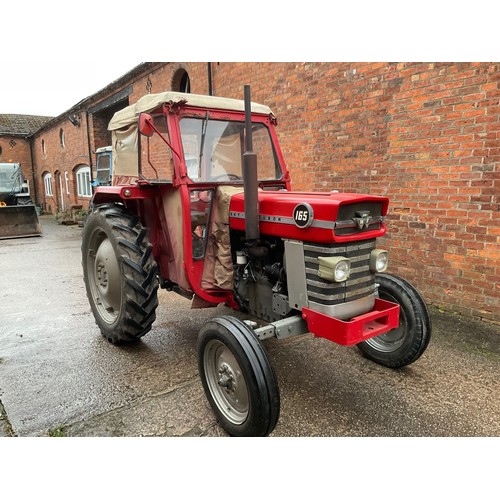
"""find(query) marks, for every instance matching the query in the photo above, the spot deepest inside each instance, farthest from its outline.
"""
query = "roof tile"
(23, 125)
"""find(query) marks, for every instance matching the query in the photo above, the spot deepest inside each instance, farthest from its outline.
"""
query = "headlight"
(335, 269)
(379, 260)
(342, 270)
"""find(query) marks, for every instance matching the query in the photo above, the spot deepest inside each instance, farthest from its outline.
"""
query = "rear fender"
(120, 194)
(146, 204)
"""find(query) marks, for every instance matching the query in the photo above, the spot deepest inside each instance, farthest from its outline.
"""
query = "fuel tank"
(315, 217)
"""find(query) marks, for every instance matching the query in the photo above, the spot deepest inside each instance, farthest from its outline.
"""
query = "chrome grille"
(347, 215)
(361, 282)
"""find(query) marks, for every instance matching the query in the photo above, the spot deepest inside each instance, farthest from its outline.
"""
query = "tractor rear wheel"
(120, 273)
(406, 343)
(238, 378)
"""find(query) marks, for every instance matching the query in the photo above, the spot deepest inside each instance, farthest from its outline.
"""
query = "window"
(156, 158)
(83, 186)
(181, 81)
(213, 150)
(201, 205)
(44, 151)
(103, 167)
(61, 138)
(47, 182)
(185, 84)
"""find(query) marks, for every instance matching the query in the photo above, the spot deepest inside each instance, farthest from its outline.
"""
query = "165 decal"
(303, 215)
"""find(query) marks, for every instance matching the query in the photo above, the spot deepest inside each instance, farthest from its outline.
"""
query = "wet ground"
(60, 377)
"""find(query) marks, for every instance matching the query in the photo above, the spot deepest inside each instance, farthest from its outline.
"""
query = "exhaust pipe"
(250, 185)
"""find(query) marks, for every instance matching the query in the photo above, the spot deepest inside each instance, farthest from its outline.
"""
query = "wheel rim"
(104, 277)
(392, 340)
(226, 382)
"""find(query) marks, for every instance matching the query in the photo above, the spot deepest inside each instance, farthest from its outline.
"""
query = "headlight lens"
(379, 260)
(342, 270)
(335, 269)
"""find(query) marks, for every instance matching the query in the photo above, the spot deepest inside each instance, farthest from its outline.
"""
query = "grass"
(57, 432)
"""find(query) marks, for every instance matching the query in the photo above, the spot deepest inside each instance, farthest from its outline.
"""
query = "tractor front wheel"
(237, 377)
(120, 273)
(406, 343)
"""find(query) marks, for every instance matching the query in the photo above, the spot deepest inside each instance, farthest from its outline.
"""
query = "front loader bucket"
(19, 221)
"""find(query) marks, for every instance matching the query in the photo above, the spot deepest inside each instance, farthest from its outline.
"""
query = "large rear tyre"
(406, 343)
(120, 273)
(238, 378)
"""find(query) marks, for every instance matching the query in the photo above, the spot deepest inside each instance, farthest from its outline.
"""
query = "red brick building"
(425, 134)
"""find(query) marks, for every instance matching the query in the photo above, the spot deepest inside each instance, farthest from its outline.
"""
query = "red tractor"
(201, 204)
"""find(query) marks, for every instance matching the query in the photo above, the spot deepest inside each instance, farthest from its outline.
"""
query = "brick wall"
(163, 79)
(58, 161)
(101, 137)
(426, 135)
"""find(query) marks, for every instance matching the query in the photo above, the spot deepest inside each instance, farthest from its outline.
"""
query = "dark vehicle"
(18, 216)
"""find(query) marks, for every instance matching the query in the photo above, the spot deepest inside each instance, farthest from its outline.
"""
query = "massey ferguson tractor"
(201, 204)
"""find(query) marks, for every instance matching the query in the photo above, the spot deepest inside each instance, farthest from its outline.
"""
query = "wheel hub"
(226, 382)
(105, 279)
(102, 275)
(226, 378)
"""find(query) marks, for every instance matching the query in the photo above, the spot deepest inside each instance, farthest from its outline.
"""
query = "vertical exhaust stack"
(251, 198)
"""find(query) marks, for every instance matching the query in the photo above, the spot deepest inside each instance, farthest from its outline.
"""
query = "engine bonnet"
(316, 217)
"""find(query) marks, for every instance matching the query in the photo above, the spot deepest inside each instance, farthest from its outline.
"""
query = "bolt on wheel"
(119, 272)
(406, 343)
(238, 378)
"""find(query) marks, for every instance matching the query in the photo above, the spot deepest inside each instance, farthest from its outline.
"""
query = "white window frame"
(83, 186)
(66, 178)
(47, 182)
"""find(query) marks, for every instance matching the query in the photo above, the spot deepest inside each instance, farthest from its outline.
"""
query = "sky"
(51, 62)
(50, 88)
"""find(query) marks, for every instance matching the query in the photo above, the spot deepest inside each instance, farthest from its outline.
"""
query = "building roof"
(106, 92)
(28, 125)
(22, 125)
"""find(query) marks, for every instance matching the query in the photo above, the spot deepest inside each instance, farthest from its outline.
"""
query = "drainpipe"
(35, 191)
(90, 149)
(210, 86)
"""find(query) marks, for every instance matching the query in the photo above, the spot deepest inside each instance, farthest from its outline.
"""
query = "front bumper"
(383, 317)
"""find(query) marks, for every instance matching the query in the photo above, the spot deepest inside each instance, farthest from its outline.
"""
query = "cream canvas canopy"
(124, 124)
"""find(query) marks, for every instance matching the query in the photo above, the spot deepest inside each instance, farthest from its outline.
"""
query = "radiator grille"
(346, 223)
(361, 282)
